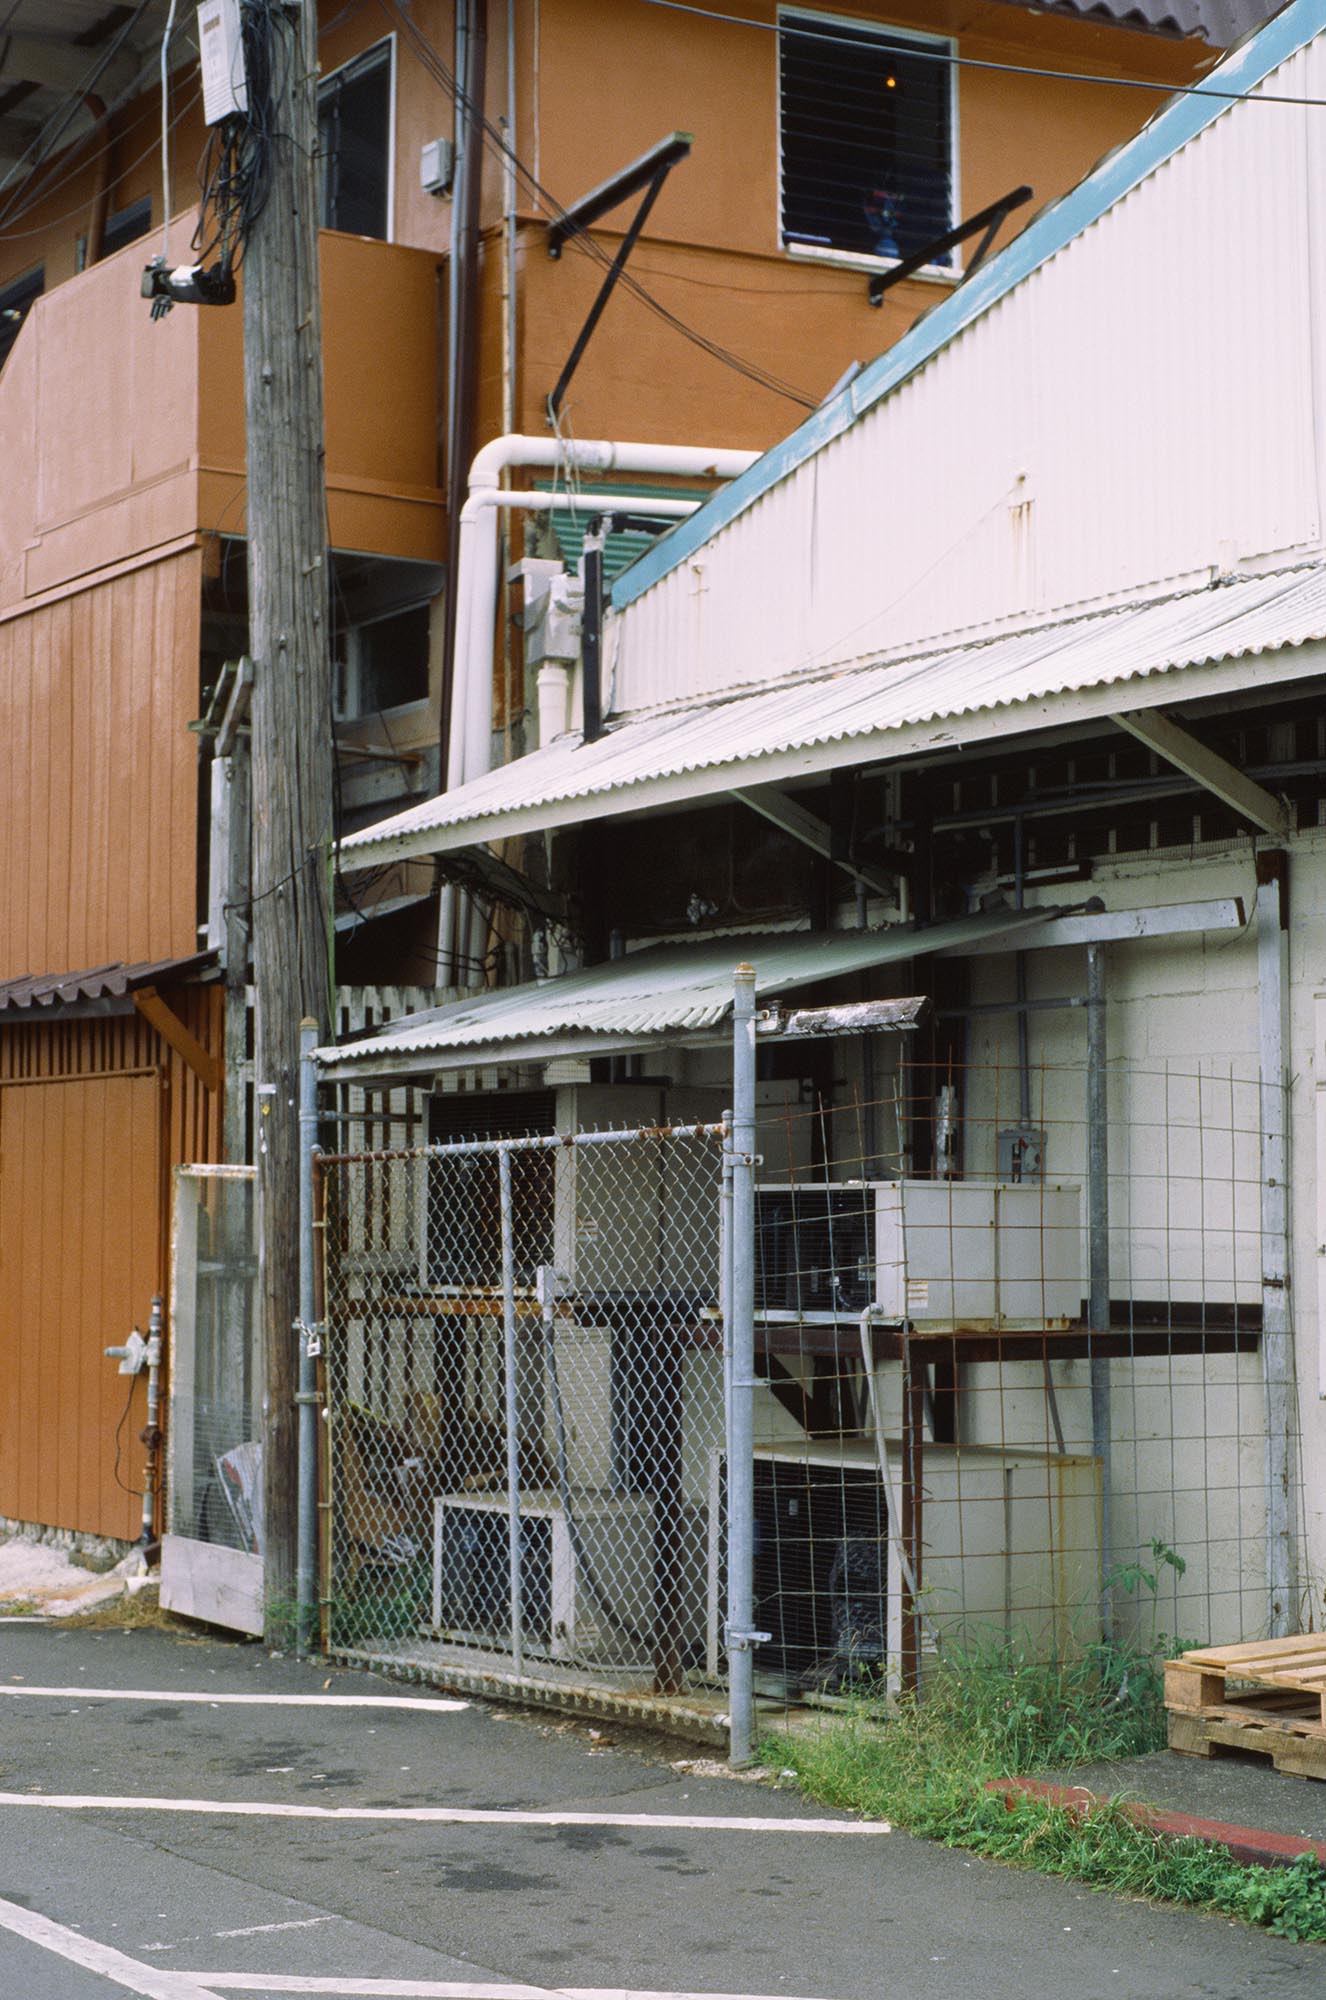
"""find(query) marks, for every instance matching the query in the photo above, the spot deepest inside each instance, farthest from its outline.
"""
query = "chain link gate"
(525, 1417)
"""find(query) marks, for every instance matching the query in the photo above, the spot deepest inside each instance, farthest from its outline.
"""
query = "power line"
(40, 144)
(803, 29)
(434, 63)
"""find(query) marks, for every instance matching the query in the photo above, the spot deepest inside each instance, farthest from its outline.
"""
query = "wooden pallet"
(1268, 1697)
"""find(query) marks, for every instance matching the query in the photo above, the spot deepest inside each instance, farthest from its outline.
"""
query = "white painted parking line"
(450, 1989)
(435, 1815)
(151, 1982)
(437, 1704)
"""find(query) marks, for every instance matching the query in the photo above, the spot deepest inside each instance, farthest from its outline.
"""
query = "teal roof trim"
(1181, 119)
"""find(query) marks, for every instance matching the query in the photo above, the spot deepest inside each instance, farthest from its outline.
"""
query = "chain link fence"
(997, 1370)
(525, 1414)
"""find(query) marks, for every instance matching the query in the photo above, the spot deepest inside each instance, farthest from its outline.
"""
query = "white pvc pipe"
(469, 746)
(469, 750)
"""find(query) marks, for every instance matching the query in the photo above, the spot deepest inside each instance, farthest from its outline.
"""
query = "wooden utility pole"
(291, 708)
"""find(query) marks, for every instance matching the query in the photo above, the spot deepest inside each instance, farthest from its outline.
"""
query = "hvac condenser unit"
(1011, 1549)
(968, 1253)
(587, 1577)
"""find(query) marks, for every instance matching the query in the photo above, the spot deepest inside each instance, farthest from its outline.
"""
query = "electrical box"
(221, 48)
(437, 165)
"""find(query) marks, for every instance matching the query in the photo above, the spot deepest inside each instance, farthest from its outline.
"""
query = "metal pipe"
(1272, 921)
(591, 637)
(1098, 1244)
(740, 1337)
(462, 311)
(306, 1397)
(509, 1361)
(152, 1429)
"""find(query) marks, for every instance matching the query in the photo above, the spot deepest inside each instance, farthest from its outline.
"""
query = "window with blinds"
(866, 122)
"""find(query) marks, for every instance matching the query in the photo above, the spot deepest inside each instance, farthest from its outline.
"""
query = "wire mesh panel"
(213, 1478)
(524, 1402)
(960, 1442)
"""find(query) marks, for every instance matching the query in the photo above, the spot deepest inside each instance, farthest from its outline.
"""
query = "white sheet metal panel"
(1268, 627)
(1139, 411)
(679, 989)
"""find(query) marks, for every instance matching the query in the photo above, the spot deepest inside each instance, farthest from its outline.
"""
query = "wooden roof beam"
(1208, 768)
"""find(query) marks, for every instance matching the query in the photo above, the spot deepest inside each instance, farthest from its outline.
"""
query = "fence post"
(510, 1362)
(1098, 1251)
(306, 1396)
(740, 1344)
(1277, 1342)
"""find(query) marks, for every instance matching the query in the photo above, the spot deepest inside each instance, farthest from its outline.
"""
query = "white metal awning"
(1214, 641)
(667, 994)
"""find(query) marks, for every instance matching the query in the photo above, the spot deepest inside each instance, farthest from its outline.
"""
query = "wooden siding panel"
(94, 1116)
(98, 806)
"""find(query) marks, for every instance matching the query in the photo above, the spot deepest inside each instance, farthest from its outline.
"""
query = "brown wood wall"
(94, 1117)
(98, 773)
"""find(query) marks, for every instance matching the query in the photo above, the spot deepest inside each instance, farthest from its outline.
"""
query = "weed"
(993, 1713)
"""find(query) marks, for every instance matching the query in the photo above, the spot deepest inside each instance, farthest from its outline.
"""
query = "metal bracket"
(989, 220)
(744, 1642)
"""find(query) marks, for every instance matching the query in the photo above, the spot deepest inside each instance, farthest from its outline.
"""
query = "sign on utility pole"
(291, 705)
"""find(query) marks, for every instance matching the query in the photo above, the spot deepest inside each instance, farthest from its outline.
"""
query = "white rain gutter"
(469, 747)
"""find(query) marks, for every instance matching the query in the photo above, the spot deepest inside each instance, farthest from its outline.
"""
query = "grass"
(993, 1714)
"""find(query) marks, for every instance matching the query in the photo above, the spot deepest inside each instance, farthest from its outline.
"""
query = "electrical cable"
(78, 167)
(44, 140)
(135, 1492)
(806, 31)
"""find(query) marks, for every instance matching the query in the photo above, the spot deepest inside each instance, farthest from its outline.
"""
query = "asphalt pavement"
(184, 1817)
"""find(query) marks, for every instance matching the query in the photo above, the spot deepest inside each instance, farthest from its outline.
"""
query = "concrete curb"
(1245, 1843)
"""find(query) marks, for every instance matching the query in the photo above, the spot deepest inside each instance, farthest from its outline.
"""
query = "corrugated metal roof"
(1221, 23)
(100, 982)
(1049, 232)
(1025, 680)
(676, 989)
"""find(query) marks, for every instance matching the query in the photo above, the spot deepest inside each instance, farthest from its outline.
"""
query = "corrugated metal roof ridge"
(1179, 121)
(1185, 628)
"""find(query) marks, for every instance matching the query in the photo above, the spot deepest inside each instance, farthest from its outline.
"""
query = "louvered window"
(867, 137)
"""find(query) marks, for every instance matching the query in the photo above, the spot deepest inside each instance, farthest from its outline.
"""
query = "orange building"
(828, 145)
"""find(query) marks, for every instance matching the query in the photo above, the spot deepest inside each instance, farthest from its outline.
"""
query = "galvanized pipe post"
(740, 1344)
(307, 1398)
(1277, 1334)
(510, 1362)
(1098, 1249)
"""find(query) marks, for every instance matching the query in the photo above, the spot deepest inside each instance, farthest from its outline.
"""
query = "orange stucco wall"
(596, 84)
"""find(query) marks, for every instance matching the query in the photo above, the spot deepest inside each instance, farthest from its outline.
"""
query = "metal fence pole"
(306, 1396)
(741, 1348)
(510, 1360)
(1098, 1250)
(1277, 1330)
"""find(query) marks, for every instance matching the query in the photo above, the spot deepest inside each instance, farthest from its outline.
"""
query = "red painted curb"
(1245, 1843)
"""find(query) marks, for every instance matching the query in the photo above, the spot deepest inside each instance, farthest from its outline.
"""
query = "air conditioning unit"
(968, 1253)
(587, 1577)
(1011, 1548)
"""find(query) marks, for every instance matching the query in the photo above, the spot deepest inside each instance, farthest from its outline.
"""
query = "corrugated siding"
(94, 1115)
(98, 773)
(1137, 412)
